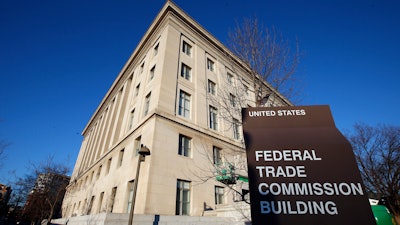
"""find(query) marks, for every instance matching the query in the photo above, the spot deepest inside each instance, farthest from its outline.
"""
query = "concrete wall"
(122, 219)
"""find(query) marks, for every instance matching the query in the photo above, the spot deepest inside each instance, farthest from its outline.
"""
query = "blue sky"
(58, 59)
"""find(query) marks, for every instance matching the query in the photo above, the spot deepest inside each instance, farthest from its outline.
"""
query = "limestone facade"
(169, 97)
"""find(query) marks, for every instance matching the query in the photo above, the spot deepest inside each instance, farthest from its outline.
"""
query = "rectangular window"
(184, 104)
(147, 104)
(100, 202)
(186, 72)
(232, 99)
(131, 118)
(264, 100)
(156, 49)
(182, 198)
(142, 67)
(108, 165)
(84, 206)
(236, 132)
(246, 89)
(219, 195)
(184, 145)
(79, 205)
(153, 69)
(259, 92)
(186, 48)
(211, 87)
(137, 89)
(229, 78)
(213, 118)
(121, 157)
(92, 176)
(73, 209)
(210, 65)
(138, 144)
(112, 198)
(89, 211)
(130, 194)
(99, 172)
(217, 157)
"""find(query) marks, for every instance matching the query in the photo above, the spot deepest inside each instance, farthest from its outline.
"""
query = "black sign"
(302, 170)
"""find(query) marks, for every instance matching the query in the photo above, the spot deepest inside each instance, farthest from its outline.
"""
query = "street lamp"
(143, 152)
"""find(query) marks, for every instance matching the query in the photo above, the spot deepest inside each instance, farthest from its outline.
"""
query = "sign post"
(302, 170)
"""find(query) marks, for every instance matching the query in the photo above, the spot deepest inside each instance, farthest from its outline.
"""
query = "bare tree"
(44, 189)
(263, 75)
(269, 73)
(225, 165)
(377, 150)
(270, 58)
(3, 145)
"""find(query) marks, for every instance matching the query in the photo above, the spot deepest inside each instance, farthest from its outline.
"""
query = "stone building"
(180, 95)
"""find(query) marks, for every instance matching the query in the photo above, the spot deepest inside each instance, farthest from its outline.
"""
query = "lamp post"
(143, 152)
